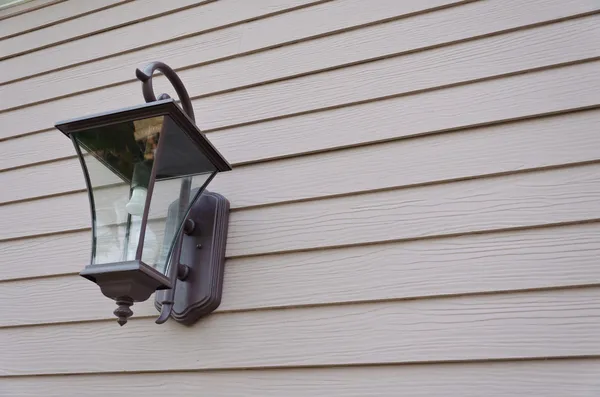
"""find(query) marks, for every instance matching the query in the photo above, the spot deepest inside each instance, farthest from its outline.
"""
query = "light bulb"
(137, 202)
(150, 251)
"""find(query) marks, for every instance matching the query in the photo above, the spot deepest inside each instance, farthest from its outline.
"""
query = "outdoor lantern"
(154, 226)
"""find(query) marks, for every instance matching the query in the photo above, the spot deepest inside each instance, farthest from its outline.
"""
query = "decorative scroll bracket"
(145, 76)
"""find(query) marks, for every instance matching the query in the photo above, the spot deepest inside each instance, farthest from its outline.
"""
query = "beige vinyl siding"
(206, 46)
(490, 203)
(572, 87)
(121, 13)
(549, 257)
(502, 148)
(382, 40)
(24, 7)
(494, 379)
(49, 15)
(414, 199)
(497, 326)
(128, 38)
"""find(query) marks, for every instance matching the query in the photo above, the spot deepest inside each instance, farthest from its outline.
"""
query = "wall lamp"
(154, 226)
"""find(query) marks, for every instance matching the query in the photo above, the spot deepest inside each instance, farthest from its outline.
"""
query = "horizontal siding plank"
(68, 250)
(477, 19)
(129, 93)
(515, 97)
(523, 200)
(553, 378)
(507, 261)
(477, 152)
(519, 51)
(24, 7)
(35, 148)
(556, 140)
(460, 63)
(522, 96)
(111, 18)
(566, 195)
(51, 15)
(240, 40)
(508, 326)
(60, 253)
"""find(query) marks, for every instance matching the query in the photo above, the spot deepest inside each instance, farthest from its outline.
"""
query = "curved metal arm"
(145, 76)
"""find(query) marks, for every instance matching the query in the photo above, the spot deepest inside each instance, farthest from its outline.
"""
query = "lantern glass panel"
(181, 174)
(111, 155)
(139, 167)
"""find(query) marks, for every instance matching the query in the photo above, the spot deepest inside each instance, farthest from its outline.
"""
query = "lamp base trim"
(130, 281)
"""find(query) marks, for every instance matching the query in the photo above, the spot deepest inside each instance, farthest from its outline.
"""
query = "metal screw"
(183, 271)
(198, 246)
(189, 226)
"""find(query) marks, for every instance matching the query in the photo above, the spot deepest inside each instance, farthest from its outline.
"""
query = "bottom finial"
(123, 312)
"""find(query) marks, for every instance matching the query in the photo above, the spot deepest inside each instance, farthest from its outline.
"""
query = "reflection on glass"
(165, 219)
(182, 172)
(120, 159)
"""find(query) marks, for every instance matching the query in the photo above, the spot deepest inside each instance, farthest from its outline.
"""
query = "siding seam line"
(345, 147)
(28, 10)
(114, 27)
(263, 16)
(298, 306)
(312, 72)
(338, 247)
(67, 19)
(590, 357)
(433, 182)
(379, 99)
(499, 175)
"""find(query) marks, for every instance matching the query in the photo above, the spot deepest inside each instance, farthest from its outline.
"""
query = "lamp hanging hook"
(145, 76)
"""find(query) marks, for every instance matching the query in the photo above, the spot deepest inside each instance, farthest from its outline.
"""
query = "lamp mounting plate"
(203, 252)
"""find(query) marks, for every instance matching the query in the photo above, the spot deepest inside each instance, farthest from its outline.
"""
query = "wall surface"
(415, 199)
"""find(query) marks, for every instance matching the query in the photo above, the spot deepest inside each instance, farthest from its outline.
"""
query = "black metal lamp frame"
(192, 287)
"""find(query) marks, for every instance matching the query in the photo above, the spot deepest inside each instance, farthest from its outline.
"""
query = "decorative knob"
(123, 312)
